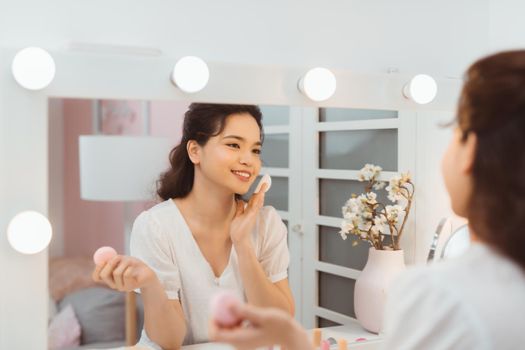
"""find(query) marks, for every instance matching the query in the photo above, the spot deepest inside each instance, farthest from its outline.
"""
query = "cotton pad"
(104, 254)
(264, 179)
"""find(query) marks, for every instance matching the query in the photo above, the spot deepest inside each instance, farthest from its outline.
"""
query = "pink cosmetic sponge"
(221, 308)
(103, 254)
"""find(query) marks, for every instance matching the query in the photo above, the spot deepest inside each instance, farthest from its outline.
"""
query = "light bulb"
(29, 232)
(190, 74)
(33, 68)
(318, 84)
(422, 89)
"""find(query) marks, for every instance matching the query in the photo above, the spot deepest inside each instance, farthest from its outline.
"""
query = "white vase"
(372, 285)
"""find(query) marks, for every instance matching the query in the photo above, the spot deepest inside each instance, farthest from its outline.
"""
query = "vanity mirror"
(448, 243)
(27, 135)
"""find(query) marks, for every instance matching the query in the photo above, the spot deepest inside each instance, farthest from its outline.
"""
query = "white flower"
(396, 187)
(379, 185)
(393, 213)
(369, 172)
(365, 225)
(380, 225)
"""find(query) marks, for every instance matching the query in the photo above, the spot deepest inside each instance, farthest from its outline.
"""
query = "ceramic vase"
(372, 286)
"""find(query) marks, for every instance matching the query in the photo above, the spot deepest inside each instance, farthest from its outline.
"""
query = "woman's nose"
(246, 158)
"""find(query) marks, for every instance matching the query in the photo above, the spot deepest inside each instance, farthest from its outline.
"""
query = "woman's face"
(232, 158)
(456, 168)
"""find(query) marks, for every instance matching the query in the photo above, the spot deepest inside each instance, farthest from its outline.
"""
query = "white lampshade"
(29, 232)
(421, 89)
(318, 84)
(190, 74)
(33, 68)
(121, 168)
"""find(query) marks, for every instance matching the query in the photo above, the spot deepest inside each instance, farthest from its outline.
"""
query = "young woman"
(478, 300)
(203, 236)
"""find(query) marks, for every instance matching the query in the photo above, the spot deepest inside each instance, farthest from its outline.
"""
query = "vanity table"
(350, 332)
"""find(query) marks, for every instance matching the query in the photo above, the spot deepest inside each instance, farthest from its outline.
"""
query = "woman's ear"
(194, 151)
(469, 152)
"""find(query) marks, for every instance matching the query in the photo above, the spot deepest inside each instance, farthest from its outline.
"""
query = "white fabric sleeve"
(424, 312)
(274, 257)
(149, 244)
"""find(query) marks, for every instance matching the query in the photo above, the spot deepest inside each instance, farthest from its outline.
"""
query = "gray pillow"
(100, 312)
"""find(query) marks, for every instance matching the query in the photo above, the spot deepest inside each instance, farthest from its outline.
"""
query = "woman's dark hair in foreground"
(201, 121)
(492, 106)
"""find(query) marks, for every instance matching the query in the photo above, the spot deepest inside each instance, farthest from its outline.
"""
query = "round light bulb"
(190, 74)
(318, 84)
(422, 89)
(29, 232)
(33, 68)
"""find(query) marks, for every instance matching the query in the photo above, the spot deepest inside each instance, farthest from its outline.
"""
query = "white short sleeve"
(274, 256)
(423, 312)
(149, 244)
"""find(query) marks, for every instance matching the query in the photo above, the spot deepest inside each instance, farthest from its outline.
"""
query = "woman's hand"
(245, 218)
(267, 327)
(124, 273)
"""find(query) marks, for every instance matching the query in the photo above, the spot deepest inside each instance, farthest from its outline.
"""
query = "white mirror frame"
(24, 142)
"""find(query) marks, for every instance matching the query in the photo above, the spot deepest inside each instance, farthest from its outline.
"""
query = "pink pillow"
(64, 330)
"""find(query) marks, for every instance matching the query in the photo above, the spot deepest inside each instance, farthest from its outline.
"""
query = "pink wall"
(87, 224)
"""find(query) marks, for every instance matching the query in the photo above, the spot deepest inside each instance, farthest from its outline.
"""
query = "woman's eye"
(257, 151)
(233, 145)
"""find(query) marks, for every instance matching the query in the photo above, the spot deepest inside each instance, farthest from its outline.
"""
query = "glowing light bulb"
(33, 68)
(421, 89)
(190, 74)
(29, 232)
(318, 84)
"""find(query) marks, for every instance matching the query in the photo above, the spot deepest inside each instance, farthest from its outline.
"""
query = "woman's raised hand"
(245, 218)
(124, 273)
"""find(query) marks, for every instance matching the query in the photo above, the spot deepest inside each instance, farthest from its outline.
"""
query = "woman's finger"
(250, 313)
(239, 208)
(96, 272)
(128, 278)
(107, 272)
(118, 275)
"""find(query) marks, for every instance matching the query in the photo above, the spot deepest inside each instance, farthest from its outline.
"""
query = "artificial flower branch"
(370, 220)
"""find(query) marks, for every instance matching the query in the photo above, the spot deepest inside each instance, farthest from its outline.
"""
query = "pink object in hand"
(221, 308)
(103, 254)
(325, 345)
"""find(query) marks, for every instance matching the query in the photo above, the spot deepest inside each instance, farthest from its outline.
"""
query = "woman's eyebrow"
(240, 138)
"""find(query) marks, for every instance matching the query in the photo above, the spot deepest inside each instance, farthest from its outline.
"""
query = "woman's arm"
(163, 319)
(259, 290)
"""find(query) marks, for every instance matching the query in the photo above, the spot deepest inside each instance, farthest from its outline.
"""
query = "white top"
(162, 239)
(476, 301)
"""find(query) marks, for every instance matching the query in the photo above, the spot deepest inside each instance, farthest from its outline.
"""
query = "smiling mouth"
(242, 175)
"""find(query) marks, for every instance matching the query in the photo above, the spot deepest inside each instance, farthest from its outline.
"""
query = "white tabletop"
(351, 332)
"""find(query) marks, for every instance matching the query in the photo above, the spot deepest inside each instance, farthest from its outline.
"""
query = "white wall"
(436, 36)
(506, 25)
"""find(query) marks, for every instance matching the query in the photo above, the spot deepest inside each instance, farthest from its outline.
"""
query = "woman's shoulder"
(158, 215)
(164, 208)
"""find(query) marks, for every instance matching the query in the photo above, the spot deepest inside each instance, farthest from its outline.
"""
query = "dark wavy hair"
(201, 121)
(492, 106)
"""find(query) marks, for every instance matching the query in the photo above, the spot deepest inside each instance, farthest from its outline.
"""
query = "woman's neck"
(209, 206)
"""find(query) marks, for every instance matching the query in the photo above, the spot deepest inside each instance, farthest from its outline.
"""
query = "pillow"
(100, 312)
(64, 330)
(67, 275)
